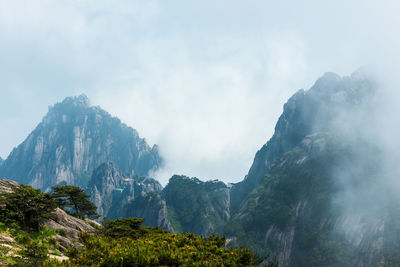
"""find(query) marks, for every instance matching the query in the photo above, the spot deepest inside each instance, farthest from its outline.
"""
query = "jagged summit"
(71, 103)
(71, 141)
(306, 112)
(81, 100)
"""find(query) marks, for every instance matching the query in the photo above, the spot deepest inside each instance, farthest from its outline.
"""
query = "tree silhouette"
(70, 196)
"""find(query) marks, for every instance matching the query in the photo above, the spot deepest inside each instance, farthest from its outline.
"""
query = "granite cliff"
(72, 140)
(117, 196)
(318, 192)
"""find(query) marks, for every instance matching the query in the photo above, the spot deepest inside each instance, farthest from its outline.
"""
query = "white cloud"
(204, 80)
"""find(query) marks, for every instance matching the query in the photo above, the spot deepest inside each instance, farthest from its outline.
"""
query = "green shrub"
(26, 207)
(69, 196)
(155, 249)
(128, 227)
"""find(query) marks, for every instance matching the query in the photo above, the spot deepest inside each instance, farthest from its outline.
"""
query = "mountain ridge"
(73, 139)
(305, 198)
(303, 114)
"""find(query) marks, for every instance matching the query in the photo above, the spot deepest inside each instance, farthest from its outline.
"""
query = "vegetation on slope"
(69, 196)
(153, 247)
(196, 206)
(298, 179)
(121, 242)
(26, 207)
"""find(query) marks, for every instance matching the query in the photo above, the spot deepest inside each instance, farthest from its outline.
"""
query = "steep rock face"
(196, 206)
(150, 206)
(105, 179)
(7, 186)
(298, 212)
(1, 161)
(73, 139)
(306, 112)
(319, 192)
(117, 195)
(72, 226)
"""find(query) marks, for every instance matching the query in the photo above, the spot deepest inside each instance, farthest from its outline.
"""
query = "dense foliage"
(155, 249)
(31, 248)
(194, 205)
(121, 242)
(69, 196)
(128, 227)
(26, 207)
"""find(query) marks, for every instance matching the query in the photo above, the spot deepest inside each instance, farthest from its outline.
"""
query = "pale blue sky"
(206, 80)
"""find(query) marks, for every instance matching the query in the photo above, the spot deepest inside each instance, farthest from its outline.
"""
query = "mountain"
(71, 141)
(196, 206)
(306, 112)
(118, 196)
(319, 192)
(69, 241)
(1, 161)
(184, 205)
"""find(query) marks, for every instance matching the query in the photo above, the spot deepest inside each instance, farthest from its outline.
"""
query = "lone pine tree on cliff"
(70, 196)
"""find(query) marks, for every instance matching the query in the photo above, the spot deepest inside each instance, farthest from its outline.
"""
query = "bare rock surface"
(6, 186)
(72, 140)
(72, 226)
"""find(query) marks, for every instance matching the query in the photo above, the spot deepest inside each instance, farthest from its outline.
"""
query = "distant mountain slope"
(117, 196)
(320, 193)
(306, 112)
(71, 141)
(196, 206)
(184, 205)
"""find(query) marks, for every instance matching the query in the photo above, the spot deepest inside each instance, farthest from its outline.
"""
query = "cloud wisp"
(205, 81)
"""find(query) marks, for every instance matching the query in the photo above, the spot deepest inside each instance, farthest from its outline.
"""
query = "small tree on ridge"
(70, 196)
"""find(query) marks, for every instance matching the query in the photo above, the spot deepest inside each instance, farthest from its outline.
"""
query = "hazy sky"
(205, 80)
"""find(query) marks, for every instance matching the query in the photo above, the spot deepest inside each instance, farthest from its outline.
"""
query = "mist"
(364, 128)
(205, 81)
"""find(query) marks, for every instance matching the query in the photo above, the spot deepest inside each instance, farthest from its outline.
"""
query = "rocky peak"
(71, 141)
(81, 100)
(110, 190)
(306, 112)
(327, 84)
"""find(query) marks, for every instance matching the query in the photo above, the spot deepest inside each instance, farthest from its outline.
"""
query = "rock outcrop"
(7, 186)
(72, 226)
(71, 141)
(117, 195)
(152, 207)
(106, 179)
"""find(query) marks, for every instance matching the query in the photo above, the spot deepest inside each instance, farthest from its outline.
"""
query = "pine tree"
(26, 206)
(74, 197)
